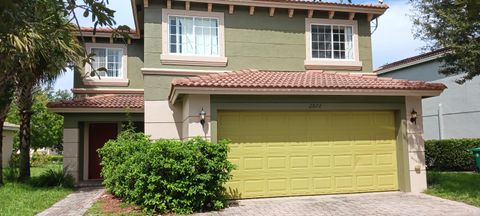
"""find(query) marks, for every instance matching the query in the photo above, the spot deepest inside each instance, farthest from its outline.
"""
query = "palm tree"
(15, 41)
(47, 60)
(36, 43)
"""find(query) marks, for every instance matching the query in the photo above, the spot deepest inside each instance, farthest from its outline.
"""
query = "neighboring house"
(455, 113)
(290, 83)
(9, 131)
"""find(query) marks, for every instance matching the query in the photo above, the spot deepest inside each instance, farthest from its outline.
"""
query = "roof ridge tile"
(253, 78)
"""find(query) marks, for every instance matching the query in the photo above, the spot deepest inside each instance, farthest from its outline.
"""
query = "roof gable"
(433, 55)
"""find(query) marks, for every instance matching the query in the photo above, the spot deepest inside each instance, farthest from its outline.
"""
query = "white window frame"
(331, 63)
(121, 80)
(168, 58)
(189, 54)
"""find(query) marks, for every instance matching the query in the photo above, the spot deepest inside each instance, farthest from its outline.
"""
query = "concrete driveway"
(371, 204)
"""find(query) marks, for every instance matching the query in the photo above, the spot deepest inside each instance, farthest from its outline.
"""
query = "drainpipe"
(440, 121)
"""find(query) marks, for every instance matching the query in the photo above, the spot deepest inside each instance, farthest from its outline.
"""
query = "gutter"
(96, 110)
(175, 92)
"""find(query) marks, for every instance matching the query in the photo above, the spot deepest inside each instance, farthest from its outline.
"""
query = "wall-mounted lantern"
(413, 116)
(202, 117)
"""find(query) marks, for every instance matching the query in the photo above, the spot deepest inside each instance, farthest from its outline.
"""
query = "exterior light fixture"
(202, 117)
(413, 117)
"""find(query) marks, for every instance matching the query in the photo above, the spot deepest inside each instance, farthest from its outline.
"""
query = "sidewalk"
(76, 203)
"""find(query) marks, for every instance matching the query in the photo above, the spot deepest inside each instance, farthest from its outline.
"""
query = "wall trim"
(85, 150)
(176, 91)
(10, 127)
(295, 5)
(107, 81)
(182, 59)
(214, 61)
(181, 72)
(332, 64)
(96, 110)
(105, 35)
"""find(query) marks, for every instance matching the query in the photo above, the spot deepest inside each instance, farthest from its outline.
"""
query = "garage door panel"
(365, 181)
(321, 161)
(278, 186)
(304, 153)
(386, 180)
(322, 183)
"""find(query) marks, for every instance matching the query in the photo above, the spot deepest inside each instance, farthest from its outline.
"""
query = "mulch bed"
(113, 205)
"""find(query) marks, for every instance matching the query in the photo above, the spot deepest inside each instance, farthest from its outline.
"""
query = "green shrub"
(11, 173)
(14, 160)
(58, 177)
(56, 158)
(451, 154)
(40, 159)
(166, 175)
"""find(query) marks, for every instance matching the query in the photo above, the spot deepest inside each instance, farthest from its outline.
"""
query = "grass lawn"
(23, 199)
(458, 186)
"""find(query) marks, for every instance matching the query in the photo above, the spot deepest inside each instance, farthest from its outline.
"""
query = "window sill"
(106, 82)
(332, 65)
(193, 60)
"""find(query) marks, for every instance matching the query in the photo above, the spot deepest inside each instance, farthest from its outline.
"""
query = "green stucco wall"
(251, 42)
(72, 120)
(258, 41)
(134, 64)
(157, 87)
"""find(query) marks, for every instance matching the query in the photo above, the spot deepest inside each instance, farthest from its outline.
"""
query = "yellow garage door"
(306, 153)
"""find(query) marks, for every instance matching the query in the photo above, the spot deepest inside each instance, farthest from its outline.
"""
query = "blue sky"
(393, 40)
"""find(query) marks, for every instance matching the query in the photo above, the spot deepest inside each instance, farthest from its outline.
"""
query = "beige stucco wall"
(192, 106)
(179, 121)
(7, 146)
(71, 145)
(163, 120)
(416, 147)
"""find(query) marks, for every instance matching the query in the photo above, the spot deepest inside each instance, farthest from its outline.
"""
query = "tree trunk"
(6, 93)
(25, 102)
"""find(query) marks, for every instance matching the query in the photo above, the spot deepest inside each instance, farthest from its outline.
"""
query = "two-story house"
(454, 114)
(289, 82)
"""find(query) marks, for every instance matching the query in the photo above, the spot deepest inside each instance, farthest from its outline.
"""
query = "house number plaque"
(315, 106)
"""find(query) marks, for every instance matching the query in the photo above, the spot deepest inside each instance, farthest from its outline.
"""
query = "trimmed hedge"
(166, 175)
(451, 154)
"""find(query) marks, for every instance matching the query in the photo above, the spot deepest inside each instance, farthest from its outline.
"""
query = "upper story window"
(332, 42)
(193, 38)
(193, 35)
(109, 58)
(112, 57)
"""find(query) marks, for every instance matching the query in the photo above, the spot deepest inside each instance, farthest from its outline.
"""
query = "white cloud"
(393, 40)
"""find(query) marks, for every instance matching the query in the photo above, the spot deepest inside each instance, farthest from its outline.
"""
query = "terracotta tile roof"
(410, 60)
(379, 6)
(103, 30)
(102, 101)
(301, 80)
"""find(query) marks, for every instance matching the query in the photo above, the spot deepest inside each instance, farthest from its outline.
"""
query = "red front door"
(98, 135)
